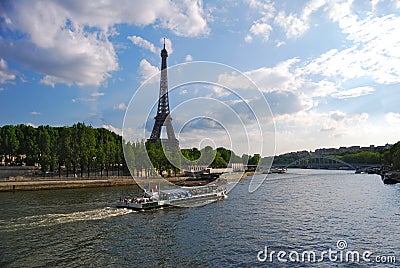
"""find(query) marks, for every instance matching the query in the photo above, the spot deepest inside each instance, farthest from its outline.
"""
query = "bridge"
(320, 162)
(316, 161)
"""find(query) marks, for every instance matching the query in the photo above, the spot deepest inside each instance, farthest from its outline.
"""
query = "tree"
(65, 149)
(219, 161)
(130, 155)
(27, 138)
(225, 154)
(9, 142)
(43, 139)
(141, 159)
(54, 141)
(88, 143)
(254, 160)
(207, 156)
(395, 155)
(100, 149)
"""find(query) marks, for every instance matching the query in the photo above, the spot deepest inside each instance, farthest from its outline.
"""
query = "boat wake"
(46, 220)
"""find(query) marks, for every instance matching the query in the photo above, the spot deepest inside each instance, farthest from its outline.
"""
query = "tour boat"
(273, 170)
(184, 197)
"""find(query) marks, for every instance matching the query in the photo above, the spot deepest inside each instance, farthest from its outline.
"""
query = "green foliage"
(43, 140)
(191, 154)
(8, 142)
(219, 161)
(254, 160)
(224, 153)
(394, 155)
(82, 148)
(68, 147)
(363, 157)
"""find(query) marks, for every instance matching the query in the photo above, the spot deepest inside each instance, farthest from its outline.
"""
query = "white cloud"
(262, 26)
(321, 88)
(296, 25)
(280, 77)
(83, 100)
(5, 74)
(310, 129)
(58, 46)
(396, 3)
(50, 80)
(35, 113)
(248, 38)
(120, 106)
(374, 4)
(217, 91)
(353, 92)
(261, 29)
(185, 18)
(139, 41)
(113, 129)
(338, 10)
(374, 52)
(147, 70)
(97, 94)
(291, 24)
(284, 86)
(188, 57)
(393, 119)
(279, 43)
(68, 42)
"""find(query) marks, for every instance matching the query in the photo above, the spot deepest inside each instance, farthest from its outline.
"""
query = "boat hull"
(196, 200)
(391, 178)
(140, 206)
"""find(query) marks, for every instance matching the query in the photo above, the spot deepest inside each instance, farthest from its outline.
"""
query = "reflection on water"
(300, 210)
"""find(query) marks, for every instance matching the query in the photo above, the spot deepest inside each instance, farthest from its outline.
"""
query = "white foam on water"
(31, 222)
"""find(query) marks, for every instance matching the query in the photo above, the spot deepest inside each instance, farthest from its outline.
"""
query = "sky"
(329, 70)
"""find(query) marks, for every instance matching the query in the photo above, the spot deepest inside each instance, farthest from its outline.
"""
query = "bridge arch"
(305, 161)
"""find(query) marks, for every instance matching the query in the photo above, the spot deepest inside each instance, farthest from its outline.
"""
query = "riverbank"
(30, 184)
(50, 183)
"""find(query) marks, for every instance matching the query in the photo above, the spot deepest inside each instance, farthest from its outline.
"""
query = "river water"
(303, 210)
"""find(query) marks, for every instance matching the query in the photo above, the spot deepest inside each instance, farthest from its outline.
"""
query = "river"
(301, 211)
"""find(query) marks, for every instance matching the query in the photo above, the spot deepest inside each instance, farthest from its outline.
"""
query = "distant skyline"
(330, 70)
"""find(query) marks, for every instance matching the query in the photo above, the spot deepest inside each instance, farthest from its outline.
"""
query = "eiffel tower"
(163, 117)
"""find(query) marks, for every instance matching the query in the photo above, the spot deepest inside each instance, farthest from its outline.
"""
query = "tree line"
(392, 156)
(75, 149)
(82, 149)
(388, 157)
(163, 159)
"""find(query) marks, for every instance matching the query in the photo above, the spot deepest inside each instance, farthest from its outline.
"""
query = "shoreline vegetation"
(84, 151)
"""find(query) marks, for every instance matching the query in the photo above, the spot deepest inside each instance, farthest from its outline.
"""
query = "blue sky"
(330, 70)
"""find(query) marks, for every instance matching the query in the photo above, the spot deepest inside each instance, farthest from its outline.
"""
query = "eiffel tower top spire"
(164, 55)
